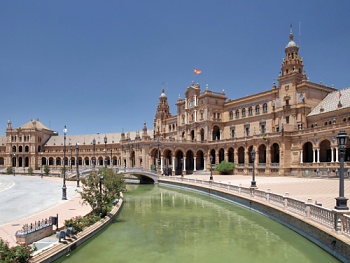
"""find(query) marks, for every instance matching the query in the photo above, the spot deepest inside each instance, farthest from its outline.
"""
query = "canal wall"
(68, 244)
(335, 244)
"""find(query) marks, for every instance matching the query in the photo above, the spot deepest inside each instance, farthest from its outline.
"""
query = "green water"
(160, 224)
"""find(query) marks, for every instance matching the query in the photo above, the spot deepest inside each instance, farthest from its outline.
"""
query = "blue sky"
(99, 66)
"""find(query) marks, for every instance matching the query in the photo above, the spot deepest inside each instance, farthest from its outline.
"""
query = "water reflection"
(160, 224)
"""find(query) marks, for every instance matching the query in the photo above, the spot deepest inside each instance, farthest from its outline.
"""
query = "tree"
(225, 167)
(111, 185)
(46, 169)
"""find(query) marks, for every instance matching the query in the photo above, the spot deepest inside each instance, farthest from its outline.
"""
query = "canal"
(161, 224)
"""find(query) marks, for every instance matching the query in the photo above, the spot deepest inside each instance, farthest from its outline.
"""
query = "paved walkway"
(320, 190)
(26, 199)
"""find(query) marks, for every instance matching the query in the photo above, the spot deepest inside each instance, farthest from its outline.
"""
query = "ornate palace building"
(292, 127)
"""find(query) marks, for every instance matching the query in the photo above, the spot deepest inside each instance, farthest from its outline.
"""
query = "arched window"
(265, 108)
(243, 112)
(257, 110)
(231, 115)
(250, 111)
(237, 114)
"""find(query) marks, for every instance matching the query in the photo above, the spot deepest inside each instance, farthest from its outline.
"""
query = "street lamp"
(71, 148)
(211, 169)
(341, 201)
(77, 163)
(93, 158)
(14, 164)
(253, 183)
(158, 156)
(101, 180)
(64, 188)
(41, 164)
(105, 139)
(111, 163)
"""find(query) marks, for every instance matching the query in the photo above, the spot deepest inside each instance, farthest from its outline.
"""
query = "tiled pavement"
(26, 199)
(31, 198)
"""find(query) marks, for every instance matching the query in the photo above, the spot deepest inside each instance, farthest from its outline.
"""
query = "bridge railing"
(331, 219)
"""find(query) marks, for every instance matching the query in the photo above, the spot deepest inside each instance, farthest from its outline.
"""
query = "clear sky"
(99, 66)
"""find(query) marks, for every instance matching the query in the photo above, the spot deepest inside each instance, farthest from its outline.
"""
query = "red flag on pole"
(196, 71)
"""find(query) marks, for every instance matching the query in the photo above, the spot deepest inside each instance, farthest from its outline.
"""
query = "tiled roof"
(331, 102)
(88, 138)
(34, 124)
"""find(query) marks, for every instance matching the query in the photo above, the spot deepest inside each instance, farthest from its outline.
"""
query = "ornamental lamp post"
(14, 164)
(71, 149)
(105, 140)
(101, 180)
(158, 155)
(93, 158)
(64, 188)
(211, 169)
(77, 163)
(341, 201)
(253, 153)
(111, 162)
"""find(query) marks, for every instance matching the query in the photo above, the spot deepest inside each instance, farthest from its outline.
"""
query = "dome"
(163, 94)
(291, 44)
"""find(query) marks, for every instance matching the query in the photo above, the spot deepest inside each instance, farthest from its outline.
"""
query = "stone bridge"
(145, 176)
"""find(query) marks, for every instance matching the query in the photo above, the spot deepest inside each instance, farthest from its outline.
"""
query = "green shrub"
(225, 167)
(46, 169)
(9, 170)
(30, 170)
(17, 254)
(79, 223)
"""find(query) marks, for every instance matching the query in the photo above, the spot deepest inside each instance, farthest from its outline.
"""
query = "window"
(237, 114)
(287, 119)
(232, 133)
(287, 102)
(265, 108)
(243, 112)
(257, 110)
(263, 128)
(250, 110)
(231, 115)
(247, 131)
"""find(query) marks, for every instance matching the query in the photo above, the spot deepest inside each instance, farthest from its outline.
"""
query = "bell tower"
(292, 65)
(163, 112)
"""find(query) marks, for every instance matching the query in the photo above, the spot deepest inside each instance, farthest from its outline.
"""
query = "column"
(194, 167)
(184, 167)
(301, 156)
(173, 158)
(318, 155)
(313, 155)
(336, 154)
(332, 155)
(195, 115)
(205, 163)
(220, 134)
(161, 165)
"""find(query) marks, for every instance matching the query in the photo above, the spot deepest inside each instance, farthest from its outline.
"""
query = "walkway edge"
(60, 249)
(334, 244)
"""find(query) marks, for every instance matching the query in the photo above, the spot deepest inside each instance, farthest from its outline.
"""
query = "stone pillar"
(184, 165)
(313, 155)
(205, 164)
(161, 164)
(194, 167)
(318, 155)
(336, 155)
(173, 164)
(301, 156)
(332, 155)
